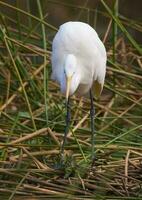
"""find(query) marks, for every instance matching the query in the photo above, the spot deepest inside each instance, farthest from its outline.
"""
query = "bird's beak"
(69, 78)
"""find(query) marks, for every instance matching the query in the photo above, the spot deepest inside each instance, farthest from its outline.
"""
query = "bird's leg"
(92, 114)
(67, 126)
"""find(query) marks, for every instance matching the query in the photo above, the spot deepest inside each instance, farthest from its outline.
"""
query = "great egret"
(78, 65)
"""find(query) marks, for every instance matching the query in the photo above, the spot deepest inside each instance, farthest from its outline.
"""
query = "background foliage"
(33, 110)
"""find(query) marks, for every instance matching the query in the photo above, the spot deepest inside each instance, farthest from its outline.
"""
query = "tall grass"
(33, 110)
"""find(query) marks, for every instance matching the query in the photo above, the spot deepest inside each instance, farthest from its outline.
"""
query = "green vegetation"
(32, 111)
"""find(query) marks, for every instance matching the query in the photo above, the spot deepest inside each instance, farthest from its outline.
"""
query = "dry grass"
(32, 120)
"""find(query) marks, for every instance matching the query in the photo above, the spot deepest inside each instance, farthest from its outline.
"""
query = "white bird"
(78, 63)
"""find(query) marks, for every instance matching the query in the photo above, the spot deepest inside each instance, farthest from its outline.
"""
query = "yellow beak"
(69, 78)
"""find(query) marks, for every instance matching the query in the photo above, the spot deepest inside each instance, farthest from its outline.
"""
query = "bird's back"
(78, 37)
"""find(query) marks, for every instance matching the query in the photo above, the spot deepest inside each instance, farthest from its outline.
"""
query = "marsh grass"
(33, 113)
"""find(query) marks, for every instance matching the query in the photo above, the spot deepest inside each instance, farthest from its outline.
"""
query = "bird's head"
(72, 76)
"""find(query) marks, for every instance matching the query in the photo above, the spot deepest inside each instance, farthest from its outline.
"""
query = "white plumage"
(78, 59)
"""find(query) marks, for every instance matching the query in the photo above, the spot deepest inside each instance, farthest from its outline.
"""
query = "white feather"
(80, 40)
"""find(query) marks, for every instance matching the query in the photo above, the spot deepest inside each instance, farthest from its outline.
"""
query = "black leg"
(67, 126)
(92, 114)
